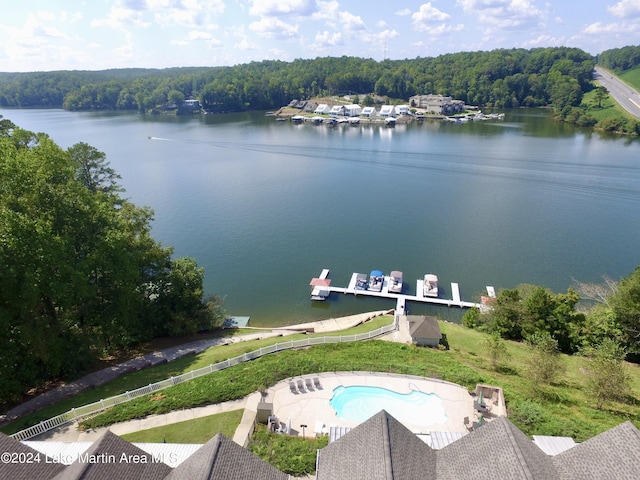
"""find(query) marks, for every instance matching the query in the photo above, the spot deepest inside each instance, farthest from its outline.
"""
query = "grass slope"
(632, 77)
(198, 430)
(161, 372)
(560, 409)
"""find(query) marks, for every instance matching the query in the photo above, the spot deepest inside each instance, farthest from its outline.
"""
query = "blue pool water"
(358, 403)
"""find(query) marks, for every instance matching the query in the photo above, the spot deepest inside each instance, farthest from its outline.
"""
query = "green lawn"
(198, 430)
(608, 109)
(632, 77)
(560, 409)
(161, 372)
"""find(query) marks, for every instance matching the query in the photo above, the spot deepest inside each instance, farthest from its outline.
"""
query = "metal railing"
(97, 407)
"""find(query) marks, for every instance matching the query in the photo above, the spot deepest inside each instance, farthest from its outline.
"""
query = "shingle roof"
(614, 454)
(379, 449)
(496, 450)
(29, 463)
(111, 457)
(424, 327)
(222, 459)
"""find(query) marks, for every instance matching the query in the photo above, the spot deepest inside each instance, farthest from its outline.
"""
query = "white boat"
(430, 288)
(395, 282)
(297, 119)
(361, 281)
(354, 121)
(376, 279)
(317, 120)
(390, 121)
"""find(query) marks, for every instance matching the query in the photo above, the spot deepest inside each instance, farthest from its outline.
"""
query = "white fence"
(97, 407)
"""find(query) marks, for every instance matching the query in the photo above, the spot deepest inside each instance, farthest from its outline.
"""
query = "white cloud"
(351, 22)
(143, 13)
(329, 39)
(431, 20)
(625, 9)
(599, 28)
(427, 14)
(505, 14)
(276, 8)
(274, 28)
(198, 36)
(404, 12)
(544, 41)
(246, 45)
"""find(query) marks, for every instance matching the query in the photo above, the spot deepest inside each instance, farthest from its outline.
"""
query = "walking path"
(106, 375)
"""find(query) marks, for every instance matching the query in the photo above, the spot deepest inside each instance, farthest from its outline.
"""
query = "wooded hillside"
(499, 78)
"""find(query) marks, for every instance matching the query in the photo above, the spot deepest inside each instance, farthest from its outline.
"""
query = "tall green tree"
(80, 274)
(625, 304)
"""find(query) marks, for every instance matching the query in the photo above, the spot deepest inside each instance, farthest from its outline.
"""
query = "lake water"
(264, 206)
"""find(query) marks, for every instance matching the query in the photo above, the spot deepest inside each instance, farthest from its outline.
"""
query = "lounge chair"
(300, 386)
(307, 382)
(292, 387)
(316, 383)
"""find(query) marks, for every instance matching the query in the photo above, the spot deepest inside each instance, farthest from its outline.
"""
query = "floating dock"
(401, 298)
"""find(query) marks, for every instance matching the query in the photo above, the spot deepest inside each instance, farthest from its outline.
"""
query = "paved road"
(626, 96)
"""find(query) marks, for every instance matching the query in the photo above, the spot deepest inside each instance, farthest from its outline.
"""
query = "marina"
(322, 289)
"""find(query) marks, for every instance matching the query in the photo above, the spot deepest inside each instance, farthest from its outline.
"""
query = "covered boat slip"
(356, 279)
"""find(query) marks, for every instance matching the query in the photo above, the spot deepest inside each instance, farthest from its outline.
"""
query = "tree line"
(80, 275)
(578, 320)
(502, 78)
(598, 320)
(620, 60)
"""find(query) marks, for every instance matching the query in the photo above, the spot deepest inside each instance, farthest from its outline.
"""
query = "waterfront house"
(386, 111)
(368, 112)
(437, 104)
(402, 109)
(337, 110)
(352, 110)
(323, 108)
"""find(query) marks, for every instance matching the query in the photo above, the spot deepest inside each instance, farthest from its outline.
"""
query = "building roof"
(421, 326)
(495, 450)
(222, 459)
(612, 454)
(111, 457)
(29, 463)
(379, 449)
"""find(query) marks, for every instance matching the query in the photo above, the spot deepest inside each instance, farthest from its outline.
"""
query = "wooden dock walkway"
(401, 298)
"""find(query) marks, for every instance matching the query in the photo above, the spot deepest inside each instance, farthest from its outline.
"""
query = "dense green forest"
(620, 60)
(499, 78)
(80, 275)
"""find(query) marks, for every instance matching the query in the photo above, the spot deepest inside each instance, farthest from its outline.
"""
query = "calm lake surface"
(264, 206)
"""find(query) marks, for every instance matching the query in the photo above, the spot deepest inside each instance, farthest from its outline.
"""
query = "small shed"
(424, 330)
(322, 108)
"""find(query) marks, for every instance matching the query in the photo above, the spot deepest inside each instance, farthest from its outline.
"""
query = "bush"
(293, 455)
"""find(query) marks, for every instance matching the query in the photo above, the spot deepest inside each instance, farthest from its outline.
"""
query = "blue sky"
(42, 35)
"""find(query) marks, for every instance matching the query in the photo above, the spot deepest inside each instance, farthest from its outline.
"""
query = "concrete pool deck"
(312, 407)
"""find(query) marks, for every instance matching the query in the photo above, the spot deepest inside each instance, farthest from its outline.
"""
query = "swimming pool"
(358, 403)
